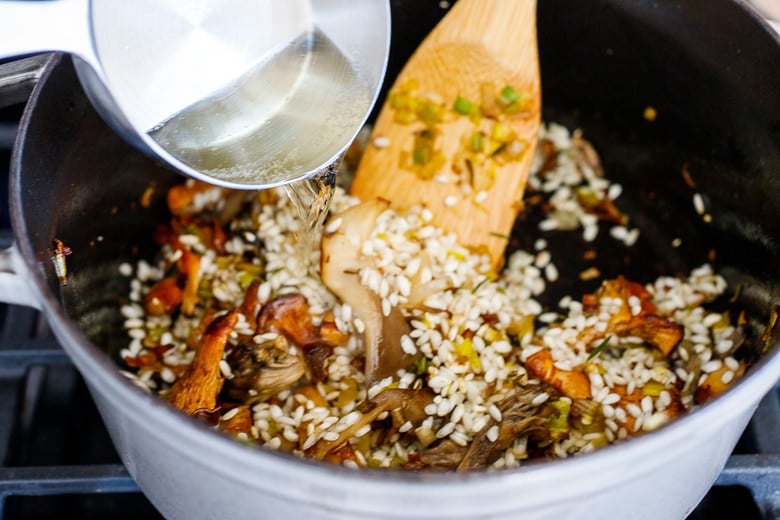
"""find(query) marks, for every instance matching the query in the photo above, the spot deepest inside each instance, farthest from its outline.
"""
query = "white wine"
(275, 119)
(311, 198)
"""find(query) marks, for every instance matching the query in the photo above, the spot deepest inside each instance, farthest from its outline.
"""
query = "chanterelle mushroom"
(341, 262)
(198, 387)
(261, 370)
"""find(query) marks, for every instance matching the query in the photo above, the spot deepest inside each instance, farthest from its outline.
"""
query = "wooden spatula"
(459, 128)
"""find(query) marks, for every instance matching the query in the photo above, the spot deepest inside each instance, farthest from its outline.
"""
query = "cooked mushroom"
(237, 421)
(717, 382)
(629, 320)
(289, 315)
(692, 368)
(411, 404)
(189, 265)
(585, 154)
(189, 198)
(656, 330)
(262, 369)
(251, 304)
(163, 298)
(341, 262)
(447, 454)
(197, 389)
(196, 334)
(519, 417)
(571, 383)
(180, 198)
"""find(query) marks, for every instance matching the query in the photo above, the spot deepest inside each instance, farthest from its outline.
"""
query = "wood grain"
(479, 42)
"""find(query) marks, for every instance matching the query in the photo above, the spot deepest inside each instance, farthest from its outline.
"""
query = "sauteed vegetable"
(392, 346)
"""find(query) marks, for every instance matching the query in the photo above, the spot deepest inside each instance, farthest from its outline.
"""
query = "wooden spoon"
(485, 53)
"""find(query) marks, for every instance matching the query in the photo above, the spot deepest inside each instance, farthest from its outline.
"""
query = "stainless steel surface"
(242, 93)
(17, 79)
(768, 8)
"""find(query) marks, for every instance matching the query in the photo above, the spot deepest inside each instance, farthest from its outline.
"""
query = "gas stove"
(56, 456)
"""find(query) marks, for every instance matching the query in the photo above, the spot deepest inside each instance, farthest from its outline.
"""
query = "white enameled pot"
(73, 180)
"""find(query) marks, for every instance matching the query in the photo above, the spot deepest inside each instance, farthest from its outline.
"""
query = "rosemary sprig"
(599, 348)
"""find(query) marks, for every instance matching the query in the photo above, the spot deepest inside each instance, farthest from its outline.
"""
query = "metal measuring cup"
(241, 93)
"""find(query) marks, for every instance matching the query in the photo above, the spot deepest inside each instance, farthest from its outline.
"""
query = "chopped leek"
(466, 349)
(429, 113)
(463, 106)
(511, 101)
(559, 425)
(420, 366)
(420, 156)
(653, 388)
(508, 96)
(501, 132)
(477, 142)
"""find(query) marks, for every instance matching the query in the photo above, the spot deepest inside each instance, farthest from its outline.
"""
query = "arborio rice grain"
(498, 379)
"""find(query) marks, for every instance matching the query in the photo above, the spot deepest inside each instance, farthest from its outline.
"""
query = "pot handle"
(17, 79)
(13, 288)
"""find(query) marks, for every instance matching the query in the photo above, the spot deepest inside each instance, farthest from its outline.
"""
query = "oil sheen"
(283, 119)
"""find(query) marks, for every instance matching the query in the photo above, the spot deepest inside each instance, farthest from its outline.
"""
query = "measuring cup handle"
(17, 78)
(13, 288)
(45, 25)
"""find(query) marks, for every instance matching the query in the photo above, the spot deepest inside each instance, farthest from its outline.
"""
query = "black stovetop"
(56, 459)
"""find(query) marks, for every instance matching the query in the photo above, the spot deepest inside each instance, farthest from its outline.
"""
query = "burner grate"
(55, 453)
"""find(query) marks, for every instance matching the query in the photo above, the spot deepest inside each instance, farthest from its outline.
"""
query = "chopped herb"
(420, 156)
(480, 284)
(463, 106)
(511, 101)
(246, 278)
(498, 150)
(477, 142)
(508, 95)
(429, 113)
(499, 235)
(420, 366)
(737, 294)
(599, 348)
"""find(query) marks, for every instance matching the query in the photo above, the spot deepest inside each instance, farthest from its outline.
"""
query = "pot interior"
(706, 69)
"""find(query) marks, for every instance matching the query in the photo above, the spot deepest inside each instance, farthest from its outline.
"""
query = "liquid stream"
(311, 199)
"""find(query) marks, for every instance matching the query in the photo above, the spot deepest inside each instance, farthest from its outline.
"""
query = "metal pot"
(712, 72)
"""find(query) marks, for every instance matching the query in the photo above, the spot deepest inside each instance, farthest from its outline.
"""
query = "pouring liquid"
(311, 198)
(282, 120)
